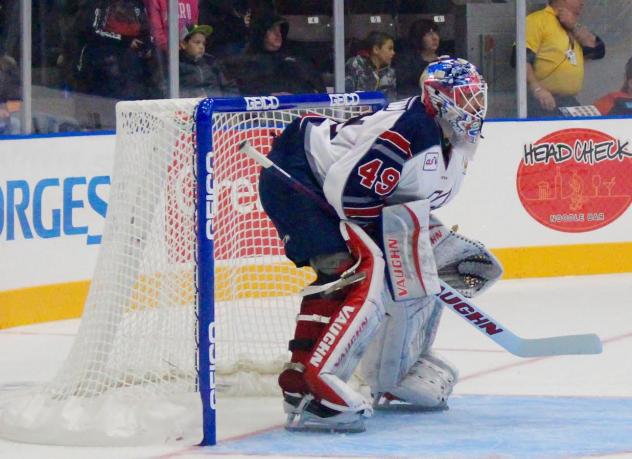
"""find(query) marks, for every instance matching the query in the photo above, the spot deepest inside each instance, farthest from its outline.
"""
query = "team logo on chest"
(431, 161)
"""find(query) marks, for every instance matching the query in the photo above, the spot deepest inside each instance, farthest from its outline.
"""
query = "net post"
(205, 264)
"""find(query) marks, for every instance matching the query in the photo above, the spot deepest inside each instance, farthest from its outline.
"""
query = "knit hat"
(191, 29)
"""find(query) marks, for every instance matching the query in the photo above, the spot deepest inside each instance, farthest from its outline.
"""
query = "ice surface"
(504, 406)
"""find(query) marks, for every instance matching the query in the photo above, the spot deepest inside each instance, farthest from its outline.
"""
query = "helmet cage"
(454, 91)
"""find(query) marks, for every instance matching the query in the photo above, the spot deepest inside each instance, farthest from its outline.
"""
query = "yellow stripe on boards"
(65, 301)
(42, 304)
(565, 260)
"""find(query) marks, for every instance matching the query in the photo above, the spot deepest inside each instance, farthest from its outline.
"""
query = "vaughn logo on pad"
(576, 180)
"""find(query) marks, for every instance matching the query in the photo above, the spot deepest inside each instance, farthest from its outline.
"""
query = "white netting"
(131, 375)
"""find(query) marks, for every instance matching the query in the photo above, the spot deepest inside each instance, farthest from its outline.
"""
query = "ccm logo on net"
(262, 103)
(336, 100)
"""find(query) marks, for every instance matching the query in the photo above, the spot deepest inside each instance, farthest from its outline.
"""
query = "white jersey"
(392, 156)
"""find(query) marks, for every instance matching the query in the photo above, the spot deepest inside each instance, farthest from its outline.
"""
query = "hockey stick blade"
(459, 304)
(521, 347)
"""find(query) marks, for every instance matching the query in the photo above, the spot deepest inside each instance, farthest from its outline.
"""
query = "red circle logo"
(576, 180)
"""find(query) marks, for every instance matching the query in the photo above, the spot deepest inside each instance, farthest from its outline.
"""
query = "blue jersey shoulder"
(418, 127)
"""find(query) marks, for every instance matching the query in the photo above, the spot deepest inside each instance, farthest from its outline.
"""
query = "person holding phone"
(557, 44)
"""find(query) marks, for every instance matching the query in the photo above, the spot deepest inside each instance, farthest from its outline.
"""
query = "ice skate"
(386, 401)
(307, 415)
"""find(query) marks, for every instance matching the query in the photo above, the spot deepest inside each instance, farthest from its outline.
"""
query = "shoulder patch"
(431, 161)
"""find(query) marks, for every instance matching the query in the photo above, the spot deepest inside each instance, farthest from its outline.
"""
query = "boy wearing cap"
(201, 75)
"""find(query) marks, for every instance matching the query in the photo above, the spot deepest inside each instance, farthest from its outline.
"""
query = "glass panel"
(611, 76)
(572, 79)
(10, 85)
(86, 57)
(290, 49)
(482, 33)
(487, 33)
(372, 47)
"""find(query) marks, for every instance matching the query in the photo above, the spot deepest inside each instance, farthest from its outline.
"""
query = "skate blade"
(358, 427)
(407, 407)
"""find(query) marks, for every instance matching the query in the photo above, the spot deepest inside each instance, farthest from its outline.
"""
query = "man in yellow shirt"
(557, 44)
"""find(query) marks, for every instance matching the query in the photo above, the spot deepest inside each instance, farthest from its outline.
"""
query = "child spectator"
(371, 69)
(201, 75)
(618, 102)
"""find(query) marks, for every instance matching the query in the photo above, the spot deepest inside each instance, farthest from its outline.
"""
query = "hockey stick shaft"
(459, 304)
(254, 154)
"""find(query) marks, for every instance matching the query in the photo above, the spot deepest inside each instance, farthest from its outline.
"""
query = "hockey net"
(131, 376)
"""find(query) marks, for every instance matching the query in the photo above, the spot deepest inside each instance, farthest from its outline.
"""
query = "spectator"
(420, 50)
(158, 14)
(9, 78)
(201, 75)
(267, 67)
(9, 93)
(5, 119)
(371, 69)
(230, 21)
(618, 102)
(557, 44)
(116, 58)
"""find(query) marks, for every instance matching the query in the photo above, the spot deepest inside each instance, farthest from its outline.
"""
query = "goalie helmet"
(454, 91)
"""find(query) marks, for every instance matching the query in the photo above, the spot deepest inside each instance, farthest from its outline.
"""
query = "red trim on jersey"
(398, 140)
(416, 234)
(366, 212)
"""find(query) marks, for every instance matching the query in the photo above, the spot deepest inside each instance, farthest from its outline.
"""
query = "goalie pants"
(305, 228)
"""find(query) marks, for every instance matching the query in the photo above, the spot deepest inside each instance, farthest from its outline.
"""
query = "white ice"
(504, 406)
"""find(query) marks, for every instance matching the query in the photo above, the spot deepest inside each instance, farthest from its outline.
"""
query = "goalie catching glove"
(465, 264)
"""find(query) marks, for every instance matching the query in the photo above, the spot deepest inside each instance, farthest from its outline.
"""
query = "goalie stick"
(459, 304)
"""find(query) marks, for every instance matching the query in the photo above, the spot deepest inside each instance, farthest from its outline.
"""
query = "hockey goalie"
(379, 252)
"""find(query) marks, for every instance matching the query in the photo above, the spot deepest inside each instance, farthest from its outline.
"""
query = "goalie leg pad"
(342, 343)
(315, 313)
(408, 250)
(467, 265)
(407, 332)
(399, 364)
(315, 389)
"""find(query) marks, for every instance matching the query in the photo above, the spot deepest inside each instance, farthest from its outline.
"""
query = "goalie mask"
(454, 91)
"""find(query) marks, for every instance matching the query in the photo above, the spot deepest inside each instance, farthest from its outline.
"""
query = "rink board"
(53, 203)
